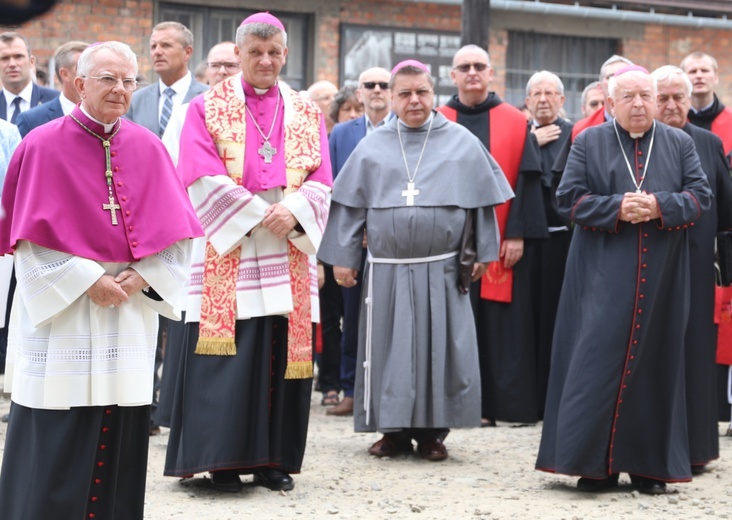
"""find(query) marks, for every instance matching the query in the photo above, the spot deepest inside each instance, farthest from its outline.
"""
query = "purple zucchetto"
(631, 68)
(409, 63)
(264, 17)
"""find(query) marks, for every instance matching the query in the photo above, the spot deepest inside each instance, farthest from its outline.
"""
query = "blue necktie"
(167, 109)
(16, 110)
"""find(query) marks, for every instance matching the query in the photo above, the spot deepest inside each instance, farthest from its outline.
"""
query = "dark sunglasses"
(371, 85)
(465, 67)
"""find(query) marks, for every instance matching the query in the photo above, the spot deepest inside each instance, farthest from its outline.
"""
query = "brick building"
(333, 39)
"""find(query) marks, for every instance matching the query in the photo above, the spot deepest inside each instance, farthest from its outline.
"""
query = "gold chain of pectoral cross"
(112, 207)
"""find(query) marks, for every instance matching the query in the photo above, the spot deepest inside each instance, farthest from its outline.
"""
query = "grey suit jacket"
(144, 107)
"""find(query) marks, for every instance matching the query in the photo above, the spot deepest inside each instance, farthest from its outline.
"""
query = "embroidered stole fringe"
(218, 302)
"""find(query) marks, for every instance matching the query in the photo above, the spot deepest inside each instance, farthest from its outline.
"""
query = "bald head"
(374, 93)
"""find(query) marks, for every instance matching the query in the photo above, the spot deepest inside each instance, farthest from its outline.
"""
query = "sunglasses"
(465, 67)
(371, 85)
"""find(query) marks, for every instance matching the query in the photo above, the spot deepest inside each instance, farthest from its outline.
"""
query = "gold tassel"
(299, 370)
(216, 347)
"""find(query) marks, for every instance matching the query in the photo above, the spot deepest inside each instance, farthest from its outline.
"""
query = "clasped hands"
(638, 207)
(111, 290)
(279, 220)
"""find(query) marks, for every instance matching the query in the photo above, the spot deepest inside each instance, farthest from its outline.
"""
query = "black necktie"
(16, 110)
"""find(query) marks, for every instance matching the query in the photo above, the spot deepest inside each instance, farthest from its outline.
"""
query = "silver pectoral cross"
(112, 207)
(267, 151)
(410, 193)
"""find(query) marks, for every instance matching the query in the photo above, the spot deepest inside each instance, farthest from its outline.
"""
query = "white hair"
(87, 59)
(667, 72)
(543, 75)
(615, 58)
(614, 81)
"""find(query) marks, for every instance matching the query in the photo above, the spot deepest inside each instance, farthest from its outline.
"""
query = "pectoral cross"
(112, 207)
(409, 193)
(267, 151)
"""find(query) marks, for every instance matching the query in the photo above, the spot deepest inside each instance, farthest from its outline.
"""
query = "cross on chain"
(112, 207)
(410, 193)
(267, 151)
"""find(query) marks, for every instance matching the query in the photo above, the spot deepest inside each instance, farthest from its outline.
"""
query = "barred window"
(576, 60)
(211, 25)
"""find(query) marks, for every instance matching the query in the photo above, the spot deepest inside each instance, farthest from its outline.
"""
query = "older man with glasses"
(100, 248)
(501, 299)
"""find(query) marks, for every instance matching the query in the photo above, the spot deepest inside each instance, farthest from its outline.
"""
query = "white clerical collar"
(67, 106)
(633, 135)
(107, 127)
(536, 123)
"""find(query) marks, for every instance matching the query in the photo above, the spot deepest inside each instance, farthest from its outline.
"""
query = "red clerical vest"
(722, 127)
(507, 139)
(595, 119)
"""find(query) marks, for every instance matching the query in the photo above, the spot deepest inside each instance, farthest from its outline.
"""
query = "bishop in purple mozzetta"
(99, 225)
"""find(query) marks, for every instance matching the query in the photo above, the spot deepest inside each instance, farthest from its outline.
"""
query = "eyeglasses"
(546, 93)
(465, 67)
(129, 84)
(216, 65)
(371, 85)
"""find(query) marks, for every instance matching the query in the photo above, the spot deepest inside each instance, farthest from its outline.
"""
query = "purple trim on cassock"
(55, 189)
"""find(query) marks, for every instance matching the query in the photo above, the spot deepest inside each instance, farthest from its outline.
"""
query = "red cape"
(507, 139)
(595, 119)
(722, 126)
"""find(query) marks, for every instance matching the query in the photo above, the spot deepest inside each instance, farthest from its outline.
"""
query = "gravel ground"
(489, 475)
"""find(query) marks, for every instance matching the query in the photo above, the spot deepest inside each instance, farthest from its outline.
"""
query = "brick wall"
(664, 45)
(128, 21)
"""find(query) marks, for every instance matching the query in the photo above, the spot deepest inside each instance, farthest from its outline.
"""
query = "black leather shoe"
(698, 469)
(225, 481)
(648, 486)
(274, 479)
(595, 485)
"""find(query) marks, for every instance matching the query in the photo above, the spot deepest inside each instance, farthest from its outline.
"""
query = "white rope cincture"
(369, 314)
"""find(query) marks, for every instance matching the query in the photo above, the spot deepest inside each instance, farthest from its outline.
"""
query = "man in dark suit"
(373, 91)
(65, 60)
(171, 47)
(19, 92)
(675, 98)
